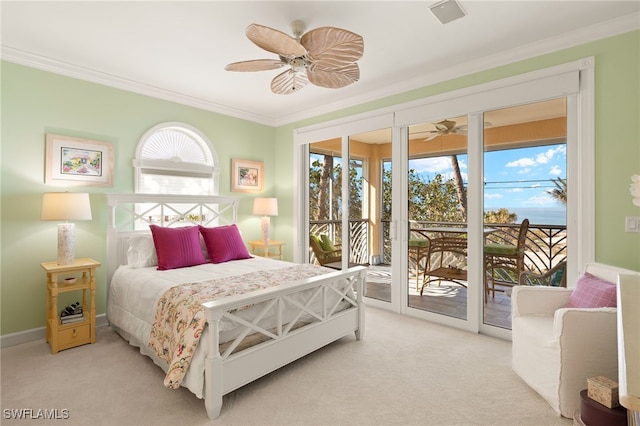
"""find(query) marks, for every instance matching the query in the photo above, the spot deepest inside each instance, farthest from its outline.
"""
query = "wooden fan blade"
(335, 78)
(255, 65)
(275, 41)
(331, 48)
(288, 82)
(445, 125)
(433, 135)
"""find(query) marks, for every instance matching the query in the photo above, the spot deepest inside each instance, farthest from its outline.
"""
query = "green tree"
(501, 215)
(325, 188)
(433, 199)
(560, 191)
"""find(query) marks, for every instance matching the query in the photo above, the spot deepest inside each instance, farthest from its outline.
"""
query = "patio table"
(450, 240)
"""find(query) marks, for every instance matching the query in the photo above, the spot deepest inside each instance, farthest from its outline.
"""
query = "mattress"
(134, 293)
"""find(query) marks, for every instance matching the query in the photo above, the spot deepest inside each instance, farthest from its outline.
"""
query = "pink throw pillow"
(224, 243)
(177, 247)
(592, 292)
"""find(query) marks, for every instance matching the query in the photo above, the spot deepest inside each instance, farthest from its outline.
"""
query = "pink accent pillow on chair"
(177, 247)
(224, 243)
(592, 292)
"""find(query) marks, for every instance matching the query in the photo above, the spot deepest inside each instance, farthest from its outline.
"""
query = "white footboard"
(229, 370)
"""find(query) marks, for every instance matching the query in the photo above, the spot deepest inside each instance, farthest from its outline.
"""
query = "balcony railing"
(546, 245)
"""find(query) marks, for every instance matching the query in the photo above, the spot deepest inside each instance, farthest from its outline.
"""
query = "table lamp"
(66, 206)
(265, 207)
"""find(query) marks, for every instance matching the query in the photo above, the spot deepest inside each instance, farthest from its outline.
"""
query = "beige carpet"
(405, 372)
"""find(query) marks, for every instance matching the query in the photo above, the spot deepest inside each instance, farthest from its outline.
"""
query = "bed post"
(213, 377)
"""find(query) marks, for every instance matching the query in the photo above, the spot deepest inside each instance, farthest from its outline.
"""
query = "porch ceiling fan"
(447, 127)
(324, 56)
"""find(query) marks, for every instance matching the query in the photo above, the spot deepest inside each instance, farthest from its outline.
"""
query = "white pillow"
(141, 252)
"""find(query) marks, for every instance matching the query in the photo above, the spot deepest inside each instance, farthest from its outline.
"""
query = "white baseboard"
(34, 334)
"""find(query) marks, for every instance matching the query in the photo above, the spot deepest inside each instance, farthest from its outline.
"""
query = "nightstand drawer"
(74, 335)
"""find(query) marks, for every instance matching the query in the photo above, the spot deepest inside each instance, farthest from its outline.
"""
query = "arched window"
(175, 158)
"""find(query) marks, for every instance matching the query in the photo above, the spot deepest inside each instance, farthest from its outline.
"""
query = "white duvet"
(134, 292)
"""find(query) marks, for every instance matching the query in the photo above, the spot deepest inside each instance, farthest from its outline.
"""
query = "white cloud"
(493, 196)
(523, 162)
(432, 165)
(540, 200)
(449, 175)
(555, 170)
(516, 190)
(542, 158)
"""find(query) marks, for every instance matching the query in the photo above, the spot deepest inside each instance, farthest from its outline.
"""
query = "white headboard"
(131, 214)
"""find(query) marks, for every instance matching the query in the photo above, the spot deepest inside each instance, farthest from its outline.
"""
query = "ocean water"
(540, 215)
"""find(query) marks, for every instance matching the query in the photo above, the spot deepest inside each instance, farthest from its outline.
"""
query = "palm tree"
(457, 179)
(560, 191)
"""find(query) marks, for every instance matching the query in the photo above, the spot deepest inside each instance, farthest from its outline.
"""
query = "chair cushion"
(507, 249)
(419, 242)
(326, 244)
(556, 278)
(315, 240)
(592, 292)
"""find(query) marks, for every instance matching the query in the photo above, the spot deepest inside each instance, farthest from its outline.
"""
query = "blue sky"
(515, 178)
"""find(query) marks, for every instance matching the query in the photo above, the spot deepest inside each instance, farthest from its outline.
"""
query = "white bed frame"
(227, 371)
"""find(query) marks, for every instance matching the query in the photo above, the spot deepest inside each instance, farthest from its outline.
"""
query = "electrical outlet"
(632, 224)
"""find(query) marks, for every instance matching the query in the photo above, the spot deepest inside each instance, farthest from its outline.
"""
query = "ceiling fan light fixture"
(447, 11)
(325, 56)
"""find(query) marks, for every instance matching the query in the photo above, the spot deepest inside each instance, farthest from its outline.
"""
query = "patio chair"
(325, 251)
(418, 249)
(449, 253)
(554, 277)
(503, 263)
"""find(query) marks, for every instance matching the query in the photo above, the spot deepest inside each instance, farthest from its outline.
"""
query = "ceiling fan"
(447, 127)
(325, 56)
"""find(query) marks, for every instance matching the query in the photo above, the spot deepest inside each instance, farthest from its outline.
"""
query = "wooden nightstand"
(259, 248)
(64, 336)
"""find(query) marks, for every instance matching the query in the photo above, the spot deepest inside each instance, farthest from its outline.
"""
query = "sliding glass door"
(437, 217)
(347, 221)
(421, 200)
(525, 198)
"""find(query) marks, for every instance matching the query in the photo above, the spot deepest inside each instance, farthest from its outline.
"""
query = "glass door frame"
(574, 80)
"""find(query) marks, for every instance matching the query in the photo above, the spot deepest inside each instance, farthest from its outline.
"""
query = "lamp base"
(66, 240)
(264, 227)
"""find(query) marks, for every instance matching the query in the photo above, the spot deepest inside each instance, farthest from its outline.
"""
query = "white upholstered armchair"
(555, 349)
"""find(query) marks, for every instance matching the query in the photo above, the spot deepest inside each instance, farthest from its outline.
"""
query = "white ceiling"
(177, 50)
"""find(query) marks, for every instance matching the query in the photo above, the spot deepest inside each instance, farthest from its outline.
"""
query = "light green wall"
(35, 103)
(617, 136)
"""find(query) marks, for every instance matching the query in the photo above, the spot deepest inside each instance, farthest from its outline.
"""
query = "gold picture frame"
(247, 176)
(75, 161)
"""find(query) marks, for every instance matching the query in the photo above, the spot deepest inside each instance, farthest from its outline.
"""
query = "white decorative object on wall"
(634, 188)
(66, 206)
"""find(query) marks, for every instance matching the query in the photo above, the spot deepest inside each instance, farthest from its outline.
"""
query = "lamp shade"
(265, 206)
(66, 206)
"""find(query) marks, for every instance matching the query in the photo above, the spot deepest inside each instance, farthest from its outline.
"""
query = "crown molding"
(570, 39)
(563, 41)
(43, 63)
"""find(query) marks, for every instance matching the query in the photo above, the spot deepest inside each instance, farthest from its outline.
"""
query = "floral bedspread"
(179, 319)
